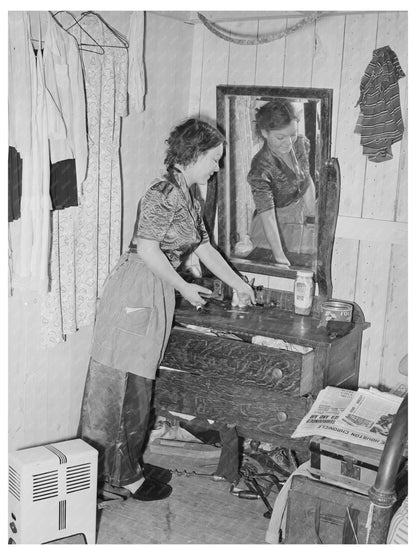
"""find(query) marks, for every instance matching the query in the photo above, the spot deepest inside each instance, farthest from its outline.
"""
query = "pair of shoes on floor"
(155, 486)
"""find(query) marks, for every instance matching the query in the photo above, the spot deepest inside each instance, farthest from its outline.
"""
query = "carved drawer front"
(259, 413)
(239, 362)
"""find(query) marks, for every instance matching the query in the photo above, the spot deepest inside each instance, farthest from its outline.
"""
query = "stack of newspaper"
(363, 417)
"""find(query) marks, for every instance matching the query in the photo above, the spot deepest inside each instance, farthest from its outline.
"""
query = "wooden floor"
(199, 511)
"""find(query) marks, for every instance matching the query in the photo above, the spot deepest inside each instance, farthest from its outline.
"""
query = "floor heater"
(52, 492)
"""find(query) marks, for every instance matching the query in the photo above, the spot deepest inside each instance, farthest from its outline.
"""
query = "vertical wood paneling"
(270, 60)
(371, 295)
(196, 71)
(35, 384)
(381, 178)
(396, 321)
(79, 346)
(58, 380)
(16, 366)
(359, 42)
(242, 64)
(300, 48)
(168, 56)
(33, 371)
(327, 61)
(401, 214)
(393, 29)
(215, 72)
(42, 381)
(380, 187)
(344, 268)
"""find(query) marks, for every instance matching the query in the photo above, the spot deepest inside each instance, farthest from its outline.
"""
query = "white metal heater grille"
(14, 483)
(45, 485)
(78, 477)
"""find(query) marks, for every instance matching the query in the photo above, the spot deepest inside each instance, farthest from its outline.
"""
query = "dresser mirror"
(255, 175)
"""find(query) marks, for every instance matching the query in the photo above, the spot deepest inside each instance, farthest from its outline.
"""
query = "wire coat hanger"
(121, 38)
(81, 45)
(117, 34)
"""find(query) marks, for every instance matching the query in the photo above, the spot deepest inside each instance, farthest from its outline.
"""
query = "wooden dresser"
(264, 390)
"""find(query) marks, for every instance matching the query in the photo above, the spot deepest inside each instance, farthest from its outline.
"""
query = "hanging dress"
(86, 240)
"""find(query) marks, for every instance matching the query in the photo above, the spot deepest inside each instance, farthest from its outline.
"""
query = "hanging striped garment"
(380, 121)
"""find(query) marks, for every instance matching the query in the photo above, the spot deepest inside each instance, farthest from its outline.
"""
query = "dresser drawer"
(259, 413)
(240, 363)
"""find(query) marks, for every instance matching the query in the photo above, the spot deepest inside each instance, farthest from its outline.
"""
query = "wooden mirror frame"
(328, 189)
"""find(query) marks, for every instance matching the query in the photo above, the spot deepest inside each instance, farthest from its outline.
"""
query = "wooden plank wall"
(370, 253)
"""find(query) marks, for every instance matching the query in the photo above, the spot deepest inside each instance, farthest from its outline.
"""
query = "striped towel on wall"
(380, 121)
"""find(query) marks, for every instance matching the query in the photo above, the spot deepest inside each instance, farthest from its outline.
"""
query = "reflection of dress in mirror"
(283, 226)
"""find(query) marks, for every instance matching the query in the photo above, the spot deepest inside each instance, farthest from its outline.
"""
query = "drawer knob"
(281, 416)
(278, 373)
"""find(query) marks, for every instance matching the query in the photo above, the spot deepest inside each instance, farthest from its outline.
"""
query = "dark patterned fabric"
(166, 215)
(63, 184)
(273, 183)
(380, 121)
(15, 184)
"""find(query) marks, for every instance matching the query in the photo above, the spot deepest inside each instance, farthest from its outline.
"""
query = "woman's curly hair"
(189, 140)
(276, 114)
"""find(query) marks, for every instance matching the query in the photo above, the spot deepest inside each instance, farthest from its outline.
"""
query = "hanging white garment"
(20, 85)
(87, 239)
(47, 124)
(41, 202)
(20, 127)
(66, 99)
(136, 80)
(31, 267)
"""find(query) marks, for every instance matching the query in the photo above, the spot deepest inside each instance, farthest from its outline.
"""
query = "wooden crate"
(334, 514)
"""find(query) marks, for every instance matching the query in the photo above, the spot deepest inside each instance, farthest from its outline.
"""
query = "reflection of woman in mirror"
(279, 177)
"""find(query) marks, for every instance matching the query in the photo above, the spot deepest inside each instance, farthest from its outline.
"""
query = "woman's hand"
(191, 292)
(245, 294)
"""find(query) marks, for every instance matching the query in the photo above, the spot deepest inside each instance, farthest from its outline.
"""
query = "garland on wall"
(225, 35)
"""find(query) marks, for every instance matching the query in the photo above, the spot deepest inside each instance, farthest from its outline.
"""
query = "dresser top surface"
(255, 320)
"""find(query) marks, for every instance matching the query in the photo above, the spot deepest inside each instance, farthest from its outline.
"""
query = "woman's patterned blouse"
(165, 215)
(273, 183)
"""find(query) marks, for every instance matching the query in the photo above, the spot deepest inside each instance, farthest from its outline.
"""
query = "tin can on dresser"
(335, 310)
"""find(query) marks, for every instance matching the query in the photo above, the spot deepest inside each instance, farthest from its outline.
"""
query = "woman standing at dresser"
(135, 311)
